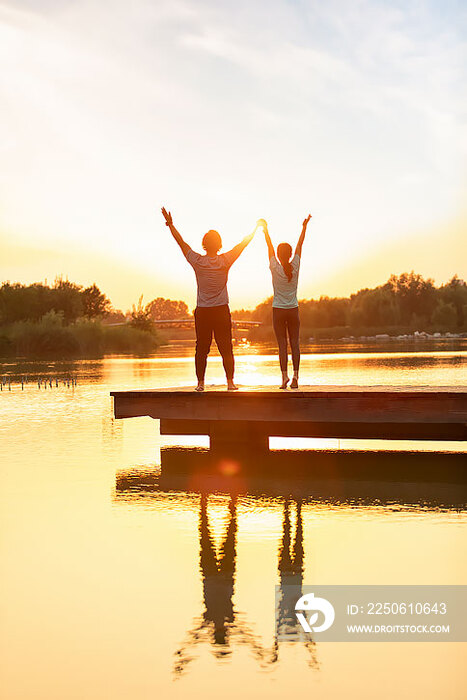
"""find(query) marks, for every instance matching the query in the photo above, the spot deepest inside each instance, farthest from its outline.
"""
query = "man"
(212, 313)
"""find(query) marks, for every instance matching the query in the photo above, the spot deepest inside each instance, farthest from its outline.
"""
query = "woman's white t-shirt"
(285, 292)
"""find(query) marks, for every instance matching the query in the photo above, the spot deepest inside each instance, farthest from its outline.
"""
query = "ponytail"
(287, 269)
(284, 251)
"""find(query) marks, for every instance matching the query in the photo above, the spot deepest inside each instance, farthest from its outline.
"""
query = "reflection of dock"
(430, 480)
(252, 415)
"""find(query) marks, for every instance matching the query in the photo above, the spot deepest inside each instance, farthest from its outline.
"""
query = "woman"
(285, 315)
(212, 314)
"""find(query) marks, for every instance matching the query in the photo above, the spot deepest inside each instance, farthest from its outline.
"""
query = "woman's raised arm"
(298, 249)
(267, 238)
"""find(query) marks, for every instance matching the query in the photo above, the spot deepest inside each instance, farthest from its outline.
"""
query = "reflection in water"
(218, 573)
(291, 568)
(190, 472)
(104, 618)
(112, 433)
(419, 481)
(220, 623)
(52, 370)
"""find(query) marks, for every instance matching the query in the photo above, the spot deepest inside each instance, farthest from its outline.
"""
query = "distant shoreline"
(331, 345)
(185, 348)
(416, 336)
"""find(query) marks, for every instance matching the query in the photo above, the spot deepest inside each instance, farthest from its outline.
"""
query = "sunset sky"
(224, 112)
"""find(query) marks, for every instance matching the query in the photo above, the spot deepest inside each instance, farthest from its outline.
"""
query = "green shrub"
(90, 337)
(45, 338)
(6, 345)
(127, 339)
(50, 337)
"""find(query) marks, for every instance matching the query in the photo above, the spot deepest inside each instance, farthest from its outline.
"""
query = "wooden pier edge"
(247, 431)
(250, 417)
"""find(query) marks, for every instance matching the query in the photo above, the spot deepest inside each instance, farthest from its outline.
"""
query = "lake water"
(122, 580)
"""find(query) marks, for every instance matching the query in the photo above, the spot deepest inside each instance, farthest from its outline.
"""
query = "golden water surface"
(124, 580)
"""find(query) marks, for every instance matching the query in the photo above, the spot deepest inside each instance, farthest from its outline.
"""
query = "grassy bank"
(51, 337)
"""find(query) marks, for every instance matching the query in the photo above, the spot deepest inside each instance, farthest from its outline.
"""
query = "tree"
(263, 312)
(414, 295)
(455, 293)
(242, 314)
(114, 316)
(67, 297)
(19, 302)
(374, 307)
(95, 303)
(444, 316)
(161, 309)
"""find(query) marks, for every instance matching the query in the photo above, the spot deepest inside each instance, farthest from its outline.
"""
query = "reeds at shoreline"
(51, 337)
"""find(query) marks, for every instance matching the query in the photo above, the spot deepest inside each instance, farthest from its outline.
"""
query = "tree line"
(19, 302)
(405, 303)
(68, 320)
(38, 316)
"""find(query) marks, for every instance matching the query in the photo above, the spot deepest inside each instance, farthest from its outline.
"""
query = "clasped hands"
(263, 223)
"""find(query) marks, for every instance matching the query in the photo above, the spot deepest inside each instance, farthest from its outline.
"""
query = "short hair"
(211, 240)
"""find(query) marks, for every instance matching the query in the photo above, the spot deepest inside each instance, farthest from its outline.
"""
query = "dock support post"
(228, 436)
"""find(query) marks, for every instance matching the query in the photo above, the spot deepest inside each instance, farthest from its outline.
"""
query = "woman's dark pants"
(287, 321)
(209, 321)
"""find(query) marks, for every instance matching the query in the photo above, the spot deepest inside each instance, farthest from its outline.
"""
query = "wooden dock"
(250, 416)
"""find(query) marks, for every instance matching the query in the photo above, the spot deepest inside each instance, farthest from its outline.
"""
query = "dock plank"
(436, 413)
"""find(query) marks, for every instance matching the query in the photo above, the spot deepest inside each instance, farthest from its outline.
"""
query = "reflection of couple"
(220, 624)
(212, 314)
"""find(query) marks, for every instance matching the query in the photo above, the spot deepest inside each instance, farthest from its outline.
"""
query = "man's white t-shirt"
(285, 292)
(211, 275)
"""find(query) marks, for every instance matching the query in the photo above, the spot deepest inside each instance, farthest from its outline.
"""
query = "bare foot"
(294, 384)
(231, 386)
(285, 381)
(200, 386)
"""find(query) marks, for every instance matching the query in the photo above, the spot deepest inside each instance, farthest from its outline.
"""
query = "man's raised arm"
(168, 222)
(298, 249)
(237, 250)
